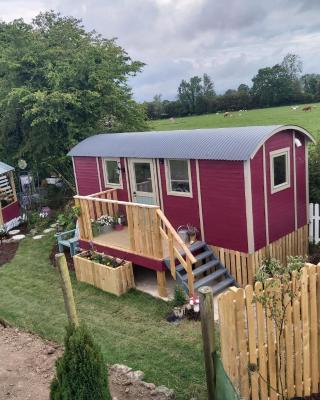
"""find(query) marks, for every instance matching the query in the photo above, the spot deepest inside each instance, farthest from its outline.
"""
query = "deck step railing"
(150, 233)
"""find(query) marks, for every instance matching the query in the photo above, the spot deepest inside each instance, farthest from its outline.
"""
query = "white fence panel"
(314, 223)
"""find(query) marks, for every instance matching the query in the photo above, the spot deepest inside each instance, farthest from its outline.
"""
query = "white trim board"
(199, 200)
(98, 170)
(75, 175)
(248, 198)
(294, 181)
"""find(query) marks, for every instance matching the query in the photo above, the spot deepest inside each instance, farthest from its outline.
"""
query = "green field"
(130, 329)
(264, 116)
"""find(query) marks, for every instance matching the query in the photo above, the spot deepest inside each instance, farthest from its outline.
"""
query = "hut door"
(143, 182)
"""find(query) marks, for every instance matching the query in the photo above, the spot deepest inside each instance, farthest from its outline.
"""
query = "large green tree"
(58, 85)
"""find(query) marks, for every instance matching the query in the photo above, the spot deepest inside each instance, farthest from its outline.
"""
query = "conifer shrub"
(81, 372)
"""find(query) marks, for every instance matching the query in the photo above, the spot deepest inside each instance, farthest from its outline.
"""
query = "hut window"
(178, 177)
(280, 169)
(112, 172)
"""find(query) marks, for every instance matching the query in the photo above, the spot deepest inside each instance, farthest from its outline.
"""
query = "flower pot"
(118, 227)
(192, 238)
(106, 228)
(178, 312)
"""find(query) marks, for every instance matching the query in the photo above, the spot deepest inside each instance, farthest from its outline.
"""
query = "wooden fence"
(314, 223)
(251, 348)
(243, 266)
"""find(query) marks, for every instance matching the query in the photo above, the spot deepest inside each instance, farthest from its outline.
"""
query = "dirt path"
(26, 365)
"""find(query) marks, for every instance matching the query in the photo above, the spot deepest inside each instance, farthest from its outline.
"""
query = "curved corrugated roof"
(238, 143)
(4, 168)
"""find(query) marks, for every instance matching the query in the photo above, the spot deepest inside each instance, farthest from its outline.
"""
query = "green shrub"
(272, 268)
(179, 298)
(81, 372)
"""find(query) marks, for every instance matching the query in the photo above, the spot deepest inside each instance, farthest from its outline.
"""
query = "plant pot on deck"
(115, 280)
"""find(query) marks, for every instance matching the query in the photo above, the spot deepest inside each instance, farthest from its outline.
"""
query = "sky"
(177, 39)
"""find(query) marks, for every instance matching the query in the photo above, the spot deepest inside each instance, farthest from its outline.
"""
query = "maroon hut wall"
(223, 203)
(280, 204)
(257, 187)
(10, 212)
(178, 209)
(301, 188)
(87, 175)
(123, 194)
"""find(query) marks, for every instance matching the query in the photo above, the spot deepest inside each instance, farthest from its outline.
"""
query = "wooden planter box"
(113, 280)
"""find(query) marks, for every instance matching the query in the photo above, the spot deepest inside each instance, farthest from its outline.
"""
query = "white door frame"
(153, 170)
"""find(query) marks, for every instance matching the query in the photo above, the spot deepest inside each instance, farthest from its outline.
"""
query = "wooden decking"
(147, 233)
(121, 240)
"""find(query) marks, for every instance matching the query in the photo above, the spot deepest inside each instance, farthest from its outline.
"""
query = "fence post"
(67, 288)
(207, 327)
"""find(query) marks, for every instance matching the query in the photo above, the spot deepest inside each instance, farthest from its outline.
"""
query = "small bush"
(179, 297)
(81, 372)
(272, 268)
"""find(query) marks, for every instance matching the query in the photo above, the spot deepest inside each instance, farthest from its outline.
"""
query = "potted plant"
(119, 222)
(105, 222)
(192, 233)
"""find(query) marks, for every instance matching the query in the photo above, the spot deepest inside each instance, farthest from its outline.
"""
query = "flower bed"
(106, 273)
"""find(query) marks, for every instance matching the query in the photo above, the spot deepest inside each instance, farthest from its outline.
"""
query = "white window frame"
(273, 154)
(105, 173)
(168, 179)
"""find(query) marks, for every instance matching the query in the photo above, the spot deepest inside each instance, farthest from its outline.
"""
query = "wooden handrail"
(103, 192)
(124, 203)
(176, 236)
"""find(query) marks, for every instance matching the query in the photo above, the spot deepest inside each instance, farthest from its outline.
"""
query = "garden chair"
(69, 239)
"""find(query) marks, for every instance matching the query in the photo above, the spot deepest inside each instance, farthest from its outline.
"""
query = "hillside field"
(309, 120)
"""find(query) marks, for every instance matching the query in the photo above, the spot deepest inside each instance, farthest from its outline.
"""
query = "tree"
(292, 64)
(311, 85)
(81, 372)
(208, 86)
(58, 85)
(189, 94)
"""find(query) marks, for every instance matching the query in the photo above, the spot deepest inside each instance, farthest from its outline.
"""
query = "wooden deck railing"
(149, 231)
(177, 249)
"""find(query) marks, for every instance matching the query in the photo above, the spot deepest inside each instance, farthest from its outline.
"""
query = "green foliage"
(179, 298)
(67, 219)
(81, 372)
(272, 268)
(58, 85)
(38, 220)
(314, 173)
(103, 259)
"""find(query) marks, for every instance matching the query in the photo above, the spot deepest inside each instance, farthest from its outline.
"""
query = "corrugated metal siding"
(87, 175)
(237, 143)
(223, 202)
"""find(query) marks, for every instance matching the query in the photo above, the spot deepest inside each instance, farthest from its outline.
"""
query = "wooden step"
(207, 280)
(203, 268)
(203, 255)
(220, 286)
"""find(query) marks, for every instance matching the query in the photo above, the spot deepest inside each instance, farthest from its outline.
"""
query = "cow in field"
(307, 108)
(227, 114)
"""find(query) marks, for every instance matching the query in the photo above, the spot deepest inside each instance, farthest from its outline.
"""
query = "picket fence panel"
(251, 349)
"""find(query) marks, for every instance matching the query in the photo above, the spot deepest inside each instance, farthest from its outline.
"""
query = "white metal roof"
(237, 143)
(4, 168)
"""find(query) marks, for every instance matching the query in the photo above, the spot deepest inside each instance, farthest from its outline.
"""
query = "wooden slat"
(272, 363)
(306, 333)
(289, 360)
(130, 227)
(261, 345)
(313, 329)
(298, 347)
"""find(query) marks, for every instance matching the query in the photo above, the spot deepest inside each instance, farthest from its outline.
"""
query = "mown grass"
(130, 329)
(265, 116)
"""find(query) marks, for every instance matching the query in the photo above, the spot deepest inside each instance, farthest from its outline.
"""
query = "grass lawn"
(130, 329)
(264, 116)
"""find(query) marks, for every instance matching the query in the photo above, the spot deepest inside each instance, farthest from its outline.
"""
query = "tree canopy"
(58, 85)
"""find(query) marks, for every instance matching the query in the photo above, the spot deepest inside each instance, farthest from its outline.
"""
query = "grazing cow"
(294, 107)
(227, 114)
(307, 108)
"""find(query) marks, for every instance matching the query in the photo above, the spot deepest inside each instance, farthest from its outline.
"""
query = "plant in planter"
(179, 301)
(192, 232)
(103, 259)
(119, 222)
(104, 224)
(3, 233)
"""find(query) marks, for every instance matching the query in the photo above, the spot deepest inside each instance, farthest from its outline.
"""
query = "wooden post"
(162, 287)
(207, 327)
(67, 289)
